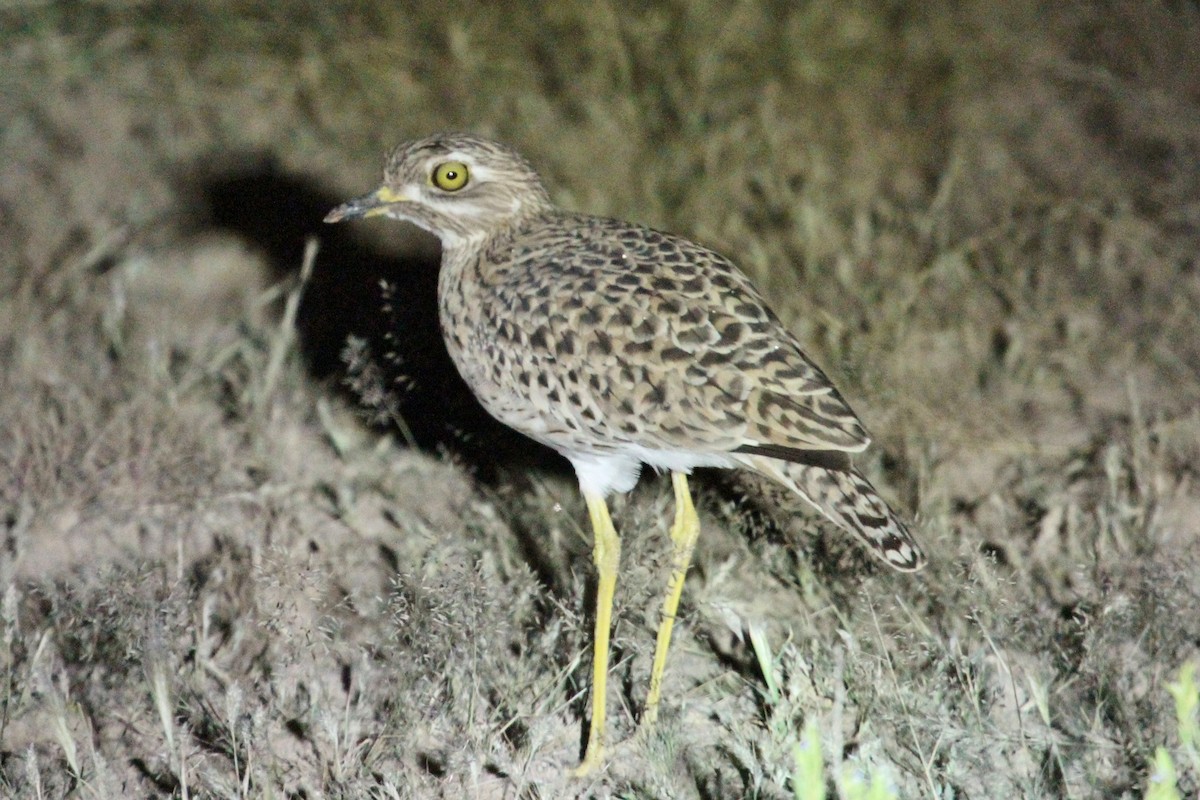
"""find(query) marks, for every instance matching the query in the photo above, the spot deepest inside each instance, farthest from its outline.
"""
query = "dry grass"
(219, 581)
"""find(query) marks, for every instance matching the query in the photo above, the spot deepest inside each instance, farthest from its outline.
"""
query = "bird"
(620, 346)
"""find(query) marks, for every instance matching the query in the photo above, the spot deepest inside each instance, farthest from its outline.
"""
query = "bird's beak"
(370, 205)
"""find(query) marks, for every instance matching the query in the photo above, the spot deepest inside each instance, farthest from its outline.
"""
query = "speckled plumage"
(619, 346)
(625, 336)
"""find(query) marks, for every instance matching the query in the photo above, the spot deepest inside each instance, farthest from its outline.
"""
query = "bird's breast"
(502, 344)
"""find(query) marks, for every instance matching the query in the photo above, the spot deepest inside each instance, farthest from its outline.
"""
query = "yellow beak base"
(370, 205)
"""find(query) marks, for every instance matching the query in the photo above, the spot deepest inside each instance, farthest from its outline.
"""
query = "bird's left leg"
(606, 551)
(684, 533)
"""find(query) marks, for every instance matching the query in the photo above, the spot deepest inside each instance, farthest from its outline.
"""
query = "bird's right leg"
(684, 534)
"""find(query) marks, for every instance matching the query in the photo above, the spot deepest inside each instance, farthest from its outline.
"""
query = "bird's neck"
(468, 283)
(482, 256)
(470, 266)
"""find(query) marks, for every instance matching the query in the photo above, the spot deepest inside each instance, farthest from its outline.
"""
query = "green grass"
(222, 578)
(1165, 776)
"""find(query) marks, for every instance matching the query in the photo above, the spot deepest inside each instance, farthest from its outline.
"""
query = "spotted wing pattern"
(638, 337)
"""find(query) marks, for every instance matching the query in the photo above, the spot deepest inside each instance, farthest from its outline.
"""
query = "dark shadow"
(277, 212)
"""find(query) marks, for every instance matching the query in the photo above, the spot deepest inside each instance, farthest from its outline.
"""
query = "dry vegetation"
(220, 580)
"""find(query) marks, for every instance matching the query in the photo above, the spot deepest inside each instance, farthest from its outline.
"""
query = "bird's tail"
(848, 499)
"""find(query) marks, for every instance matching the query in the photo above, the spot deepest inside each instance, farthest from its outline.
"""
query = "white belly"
(603, 474)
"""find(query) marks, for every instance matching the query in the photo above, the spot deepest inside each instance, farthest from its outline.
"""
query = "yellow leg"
(684, 534)
(606, 551)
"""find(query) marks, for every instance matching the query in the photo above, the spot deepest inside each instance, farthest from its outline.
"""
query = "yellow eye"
(450, 176)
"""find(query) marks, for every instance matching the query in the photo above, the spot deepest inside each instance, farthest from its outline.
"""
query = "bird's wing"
(671, 345)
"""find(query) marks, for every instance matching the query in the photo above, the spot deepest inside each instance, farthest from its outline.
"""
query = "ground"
(260, 542)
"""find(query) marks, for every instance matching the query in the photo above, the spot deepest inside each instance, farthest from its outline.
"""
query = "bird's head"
(455, 185)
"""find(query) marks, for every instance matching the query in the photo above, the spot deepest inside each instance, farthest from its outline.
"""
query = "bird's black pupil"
(451, 175)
